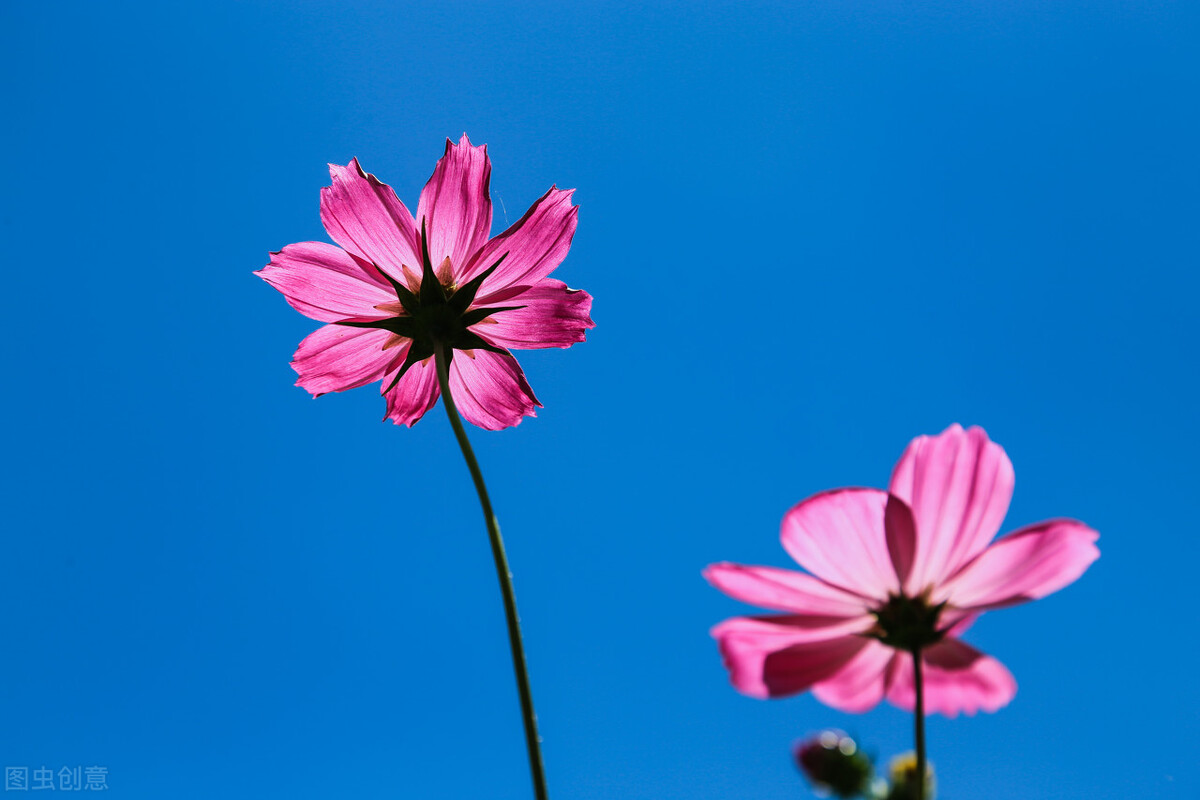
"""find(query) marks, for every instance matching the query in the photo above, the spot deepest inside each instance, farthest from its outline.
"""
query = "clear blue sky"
(812, 230)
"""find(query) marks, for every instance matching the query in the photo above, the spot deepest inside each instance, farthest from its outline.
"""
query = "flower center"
(908, 623)
(435, 314)
(438, 321)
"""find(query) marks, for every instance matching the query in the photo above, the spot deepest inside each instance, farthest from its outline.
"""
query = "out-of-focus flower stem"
(919, 713)
(504, 575)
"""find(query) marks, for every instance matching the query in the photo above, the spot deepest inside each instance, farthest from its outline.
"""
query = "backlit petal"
(532, 247)
(957, 679)
(326, 283)
(784, 590)
(455, 205)
(839, 537)
(551, 316)
(490, 389)
(334, 358)
(365, 217)
(860, 685)
(1030, 563)
(416, 392)
(958, 485)
(779, 656)
(901, 536)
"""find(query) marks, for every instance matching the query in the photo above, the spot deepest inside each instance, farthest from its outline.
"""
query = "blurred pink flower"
(890, 570)
(394, 285)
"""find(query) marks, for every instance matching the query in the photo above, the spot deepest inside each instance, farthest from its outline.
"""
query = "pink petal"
(957, 677)
(901, 536)
(955, 621)
(334, 358)
(532, 248)
(552, 316)
(860, 685)
(784, 590)
(414, 394)
(778, 656)
(490, 389)
(1026, 565)
(365, 217)
(839, 537)
(958, 485)
(455, 205)
(326, 283)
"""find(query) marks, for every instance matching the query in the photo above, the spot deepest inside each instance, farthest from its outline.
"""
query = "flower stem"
(504, 575)
(919, 713)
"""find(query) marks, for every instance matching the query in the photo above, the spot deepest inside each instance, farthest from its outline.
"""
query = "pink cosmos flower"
(394, 286)
(890, 572)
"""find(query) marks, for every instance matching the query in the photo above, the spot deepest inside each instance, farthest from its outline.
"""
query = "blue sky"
(812, 231)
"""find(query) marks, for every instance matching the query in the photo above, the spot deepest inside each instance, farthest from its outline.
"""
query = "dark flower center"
(908, 623)
(435, 314)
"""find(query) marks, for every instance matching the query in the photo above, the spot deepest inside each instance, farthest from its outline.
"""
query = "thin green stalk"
(919, 711)
(504, 575)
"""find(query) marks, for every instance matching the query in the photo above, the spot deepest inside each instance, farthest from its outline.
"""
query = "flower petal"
(1026, 565)
(901, 536)
(839, 537)
(334, 358)
(490, 389)
(860, 685)
(532, 247)
(551, 315)
(414, 394)
(364, 216)
(957, 678)
(958, 485)
(455, 205)
(783, 590)
(778, 656)
(956, 621)
(325, 282)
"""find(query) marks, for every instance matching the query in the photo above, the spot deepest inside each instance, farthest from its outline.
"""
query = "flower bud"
(833, 764)
(903, 773)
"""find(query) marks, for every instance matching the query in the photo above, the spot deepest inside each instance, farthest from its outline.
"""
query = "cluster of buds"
(835, 766)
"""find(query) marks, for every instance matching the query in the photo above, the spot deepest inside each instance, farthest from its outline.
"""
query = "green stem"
(919, 712)
(532, 740)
